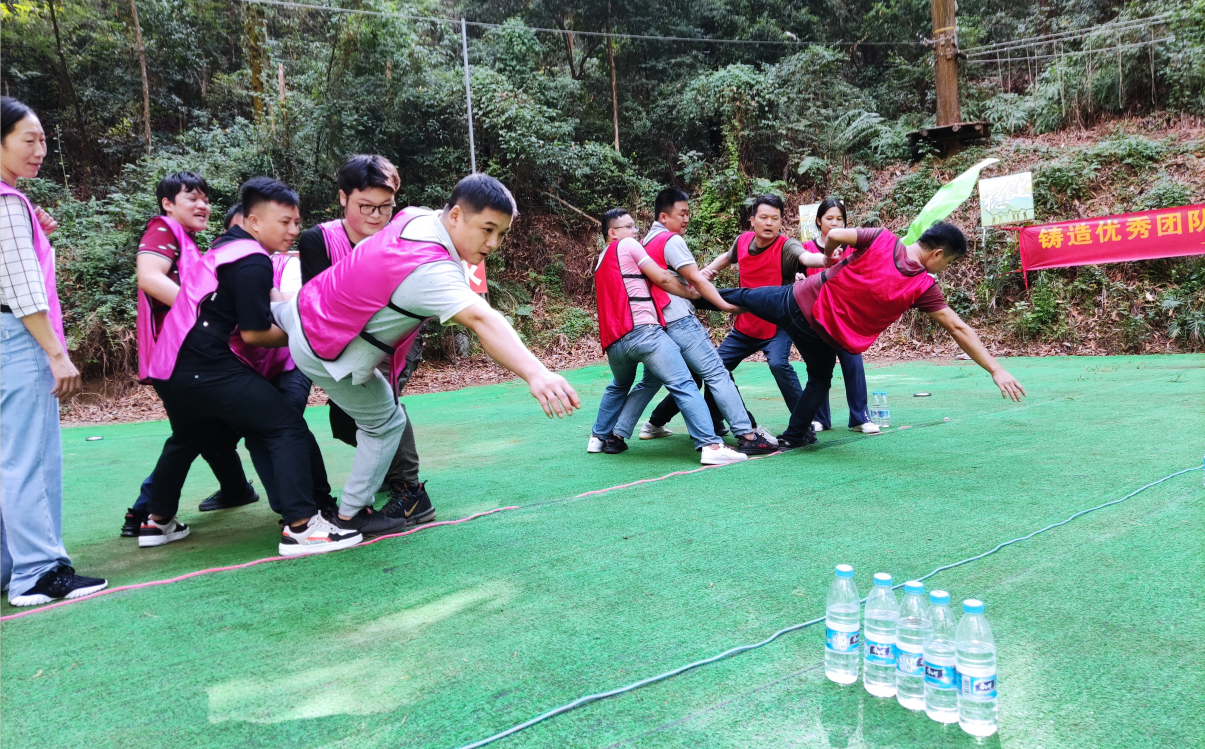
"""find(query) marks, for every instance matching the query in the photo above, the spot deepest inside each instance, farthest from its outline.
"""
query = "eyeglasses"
(373, 210)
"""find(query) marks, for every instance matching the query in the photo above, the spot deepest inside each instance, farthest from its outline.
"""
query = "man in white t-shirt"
(323, 318)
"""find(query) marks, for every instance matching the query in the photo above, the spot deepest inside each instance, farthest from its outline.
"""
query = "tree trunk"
(614, 94)
(253, 27)
(146, 92)
(79, 113)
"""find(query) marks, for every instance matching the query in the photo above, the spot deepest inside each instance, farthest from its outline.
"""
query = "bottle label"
(880, 653)
(910, 664)
(941, 677)
(841, 642)
(978, 688)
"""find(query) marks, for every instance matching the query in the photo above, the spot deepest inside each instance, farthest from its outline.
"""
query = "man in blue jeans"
(665, 245)
(766, 257)
(631, 291)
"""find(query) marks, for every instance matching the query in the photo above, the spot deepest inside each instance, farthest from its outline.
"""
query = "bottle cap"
(882, 578)
(844, 570)
(914, 586)
(972, 606)
(940, 597)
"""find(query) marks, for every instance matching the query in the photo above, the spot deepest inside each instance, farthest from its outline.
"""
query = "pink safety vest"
(45, 254)
(147, 332)
(269, 362)
(337, 303)
(338, 244)
(199, 282)
(865, 293)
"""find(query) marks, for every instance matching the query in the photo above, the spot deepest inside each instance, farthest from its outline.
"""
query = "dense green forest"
(805, 98)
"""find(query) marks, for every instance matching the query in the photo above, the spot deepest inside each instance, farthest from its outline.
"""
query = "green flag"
(947, 199)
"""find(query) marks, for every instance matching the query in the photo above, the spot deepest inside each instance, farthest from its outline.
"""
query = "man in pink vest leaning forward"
(370, 306)
(368, 184)
(855, 299)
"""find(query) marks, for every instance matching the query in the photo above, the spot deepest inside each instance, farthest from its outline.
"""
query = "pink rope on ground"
(168, 581)
(669, 475)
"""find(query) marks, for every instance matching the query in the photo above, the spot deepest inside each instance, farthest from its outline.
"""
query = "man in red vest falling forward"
(852, 302)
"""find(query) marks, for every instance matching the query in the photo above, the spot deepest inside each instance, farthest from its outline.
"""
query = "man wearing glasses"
(367, 185)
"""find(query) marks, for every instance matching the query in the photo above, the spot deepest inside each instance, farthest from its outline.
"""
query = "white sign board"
(807, 222)
(1006, 200)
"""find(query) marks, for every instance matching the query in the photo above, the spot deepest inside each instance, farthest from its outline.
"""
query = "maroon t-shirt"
(807, 290)
(159, 240)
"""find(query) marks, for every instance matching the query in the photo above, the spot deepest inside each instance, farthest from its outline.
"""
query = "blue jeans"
(777, 304)
(31, 462)
(651, 345)
(703, 361)
(855, 392)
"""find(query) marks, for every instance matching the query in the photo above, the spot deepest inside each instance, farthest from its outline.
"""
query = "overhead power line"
(1093, 51)
(601, 34)
(1070, 35)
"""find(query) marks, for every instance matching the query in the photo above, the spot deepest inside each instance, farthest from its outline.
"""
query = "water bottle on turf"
(941, 677)
(875, 410)
(913, 632)
(975, 655)
(882, 613)
(884, 410)
(841, 622)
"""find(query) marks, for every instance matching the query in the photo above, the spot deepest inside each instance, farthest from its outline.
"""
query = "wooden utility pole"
(146, 93)
(614, 95)
(945, 62)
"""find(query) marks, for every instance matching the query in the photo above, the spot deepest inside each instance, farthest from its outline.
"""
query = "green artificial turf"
(449, 635)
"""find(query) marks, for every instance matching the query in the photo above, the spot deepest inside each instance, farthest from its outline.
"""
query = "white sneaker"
(817, 427)
(155, 534)
(319, 537)
(721, 454)
(868, 428)
(595, 445)
(765, 434)
(650, 432)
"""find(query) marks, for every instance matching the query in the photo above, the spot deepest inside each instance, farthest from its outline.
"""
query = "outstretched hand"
(554, 394)
(709, 274)
(1009, 387)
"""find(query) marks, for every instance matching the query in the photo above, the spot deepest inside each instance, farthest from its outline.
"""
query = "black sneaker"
(134, 521)
(410, 503)
(59, 583)
(790, 443)
(614, 445)
(368, 523)
(755, 445)
(217, 501)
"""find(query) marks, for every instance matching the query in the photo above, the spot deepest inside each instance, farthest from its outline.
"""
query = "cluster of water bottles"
(880, 412)
(914, 650)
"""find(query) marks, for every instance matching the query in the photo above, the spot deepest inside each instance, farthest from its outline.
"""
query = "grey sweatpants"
(379, 417)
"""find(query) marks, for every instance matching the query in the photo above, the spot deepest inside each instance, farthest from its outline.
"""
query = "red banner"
(1148, 235)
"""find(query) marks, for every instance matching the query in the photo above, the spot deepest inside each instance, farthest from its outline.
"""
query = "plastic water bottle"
(975, 651)
(882, 613)
(884, 411)
(842, 623)
(941, 676)
(914, 631)
(876, 415)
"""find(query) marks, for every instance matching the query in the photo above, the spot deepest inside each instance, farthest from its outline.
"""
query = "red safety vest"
(762, 269)
(614, 305)
(656, 250)
(865, 293)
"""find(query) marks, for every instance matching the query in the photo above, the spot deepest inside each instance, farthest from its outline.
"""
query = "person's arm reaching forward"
(503, 346)
(692, 273)
(715, 266)
(666, 280)
(968, 341)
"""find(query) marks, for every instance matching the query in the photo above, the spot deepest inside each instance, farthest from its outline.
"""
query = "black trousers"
(216, 409)
(777, 304)
(295, 387)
